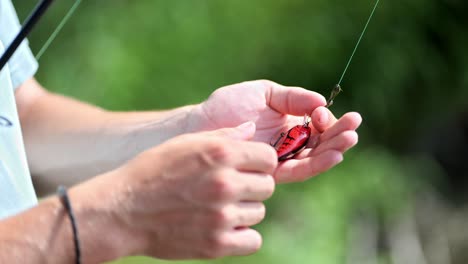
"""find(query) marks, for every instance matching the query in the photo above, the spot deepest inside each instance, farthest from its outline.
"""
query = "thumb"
(322, 119)
(244, 131)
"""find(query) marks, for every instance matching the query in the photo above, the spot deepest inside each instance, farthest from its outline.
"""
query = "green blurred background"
(399, 197)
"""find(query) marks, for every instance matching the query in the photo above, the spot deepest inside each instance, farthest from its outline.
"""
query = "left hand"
(275, 108)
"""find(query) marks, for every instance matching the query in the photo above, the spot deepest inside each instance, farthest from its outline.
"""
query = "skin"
(178, 184)
(207, 198)
(276, 108)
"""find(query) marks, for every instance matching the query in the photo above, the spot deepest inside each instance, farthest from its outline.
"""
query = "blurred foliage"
(409, 74)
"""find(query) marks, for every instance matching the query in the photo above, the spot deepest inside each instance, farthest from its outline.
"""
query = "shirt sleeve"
(22, 64)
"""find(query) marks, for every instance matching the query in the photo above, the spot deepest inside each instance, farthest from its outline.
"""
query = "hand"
(275, 108)
(194, 196)
(330, 139)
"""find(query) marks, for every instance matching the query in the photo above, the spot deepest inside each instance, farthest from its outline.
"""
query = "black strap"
(62, 193)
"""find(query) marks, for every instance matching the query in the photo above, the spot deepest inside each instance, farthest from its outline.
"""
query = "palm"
(233, 105)
(275, 108)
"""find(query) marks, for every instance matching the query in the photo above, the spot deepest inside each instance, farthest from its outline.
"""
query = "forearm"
(43, 234)
(68, 141)
(40, 235)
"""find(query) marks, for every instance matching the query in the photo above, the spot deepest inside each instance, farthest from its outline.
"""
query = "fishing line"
(31, 21)
(359, 41)
(58, 29)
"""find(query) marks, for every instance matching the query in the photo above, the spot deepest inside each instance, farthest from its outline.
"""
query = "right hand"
(193, 197)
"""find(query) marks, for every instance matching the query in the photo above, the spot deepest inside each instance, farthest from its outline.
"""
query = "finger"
(251, 213)
(244, 214)
(349, 121)
(322, 119)
(314, 140)
(250, 156)
(292, 100)
(300, 170)
(242, 241)
(305, 153)
(254, 187)
(227, 185)
(341, 143)
(244, 131)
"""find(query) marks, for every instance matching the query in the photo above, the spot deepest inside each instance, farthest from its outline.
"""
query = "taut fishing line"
(58, 29)
(29, 24)
(337, 88)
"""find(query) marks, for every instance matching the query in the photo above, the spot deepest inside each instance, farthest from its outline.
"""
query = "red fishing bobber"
(293, 141)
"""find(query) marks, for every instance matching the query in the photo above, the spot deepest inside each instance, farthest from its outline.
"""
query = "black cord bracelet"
(62, 193)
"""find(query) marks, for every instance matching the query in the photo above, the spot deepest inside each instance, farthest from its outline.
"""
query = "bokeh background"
(398, 197)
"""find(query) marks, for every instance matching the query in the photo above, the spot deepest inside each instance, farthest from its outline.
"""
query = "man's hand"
(325, 149)
(195, 196)
(275, 108)
(64, 150)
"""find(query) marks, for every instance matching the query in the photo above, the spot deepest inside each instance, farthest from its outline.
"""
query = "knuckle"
(221, 188)
(265, 83)
(218, 245)
(221, 218)
(216, 152)
(248, 153)
(210, 153)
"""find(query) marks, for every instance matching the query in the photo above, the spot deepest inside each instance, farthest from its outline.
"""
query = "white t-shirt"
(16, 189)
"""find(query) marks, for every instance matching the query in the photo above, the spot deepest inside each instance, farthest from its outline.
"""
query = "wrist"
(102, 233)
(198, 121)
(147, 129)
(39, 235)
(187, 119)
